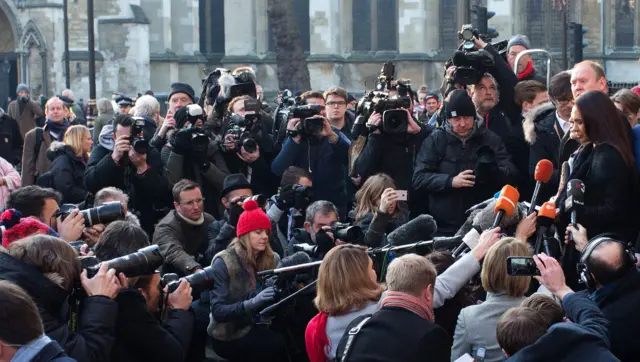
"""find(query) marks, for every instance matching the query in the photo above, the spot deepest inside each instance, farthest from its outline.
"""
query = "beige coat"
(35, 163)
(26, 120)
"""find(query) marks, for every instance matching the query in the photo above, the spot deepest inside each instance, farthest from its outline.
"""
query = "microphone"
(546, 218)
(544, 170)
(506, 204)
(469, 241)
(297, 258)
(482, 205)
(574, 202)
(421, 228)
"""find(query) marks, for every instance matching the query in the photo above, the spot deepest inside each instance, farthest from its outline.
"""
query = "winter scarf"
(57, 130)
(409, 302)
(527, 71)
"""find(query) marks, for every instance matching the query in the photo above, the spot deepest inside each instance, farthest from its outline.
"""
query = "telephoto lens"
(202, 280)
(103, 214)
(143, 262)
(347, 233)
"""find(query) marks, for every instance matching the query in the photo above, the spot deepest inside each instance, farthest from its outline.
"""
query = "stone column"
(326, 17)
(239, 28)
(24, 60)
(43, 57)
(418, 26)
(519, 23)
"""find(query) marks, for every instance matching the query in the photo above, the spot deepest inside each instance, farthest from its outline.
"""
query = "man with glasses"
(335, 100)
(182, 234)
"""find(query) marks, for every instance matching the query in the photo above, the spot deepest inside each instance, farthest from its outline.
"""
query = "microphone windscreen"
(485, 218)
(508, 200)
(544, 170)
(548, 209)
(296, 258)
(576, 189)
(421, 228)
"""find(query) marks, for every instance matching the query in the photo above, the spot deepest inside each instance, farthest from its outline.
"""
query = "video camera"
(470, 66)
(245, 128)
(202, 280)
(292, 107)
(143, 262)
(138, 142)
(103, 214)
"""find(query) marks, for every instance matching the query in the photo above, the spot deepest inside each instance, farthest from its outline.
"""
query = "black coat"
(10, 140)
(442, 157)
(141, 337)
(535, 76)
(67, 170)
(620, 307)
(397, 334)
(96, 322)
(147, 192)
(52, 352)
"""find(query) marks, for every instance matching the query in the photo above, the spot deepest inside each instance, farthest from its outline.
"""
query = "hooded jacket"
(442, 157)
(67, 170)
(93, 340)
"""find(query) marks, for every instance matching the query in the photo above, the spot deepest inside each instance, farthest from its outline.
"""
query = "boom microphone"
(296, 258)
(574, 201)
(421, 228)
(544, 170)
(546, 218)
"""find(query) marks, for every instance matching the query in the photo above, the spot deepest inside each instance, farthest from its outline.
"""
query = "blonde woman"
(347, 288)
(238, 295)
(477, 324)
(69, 163)
(378, 211)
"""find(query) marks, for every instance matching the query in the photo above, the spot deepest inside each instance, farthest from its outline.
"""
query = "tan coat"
(26, 120)
(35, 163)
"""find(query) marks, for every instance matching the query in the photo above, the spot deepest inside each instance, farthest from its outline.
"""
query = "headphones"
(583, 271)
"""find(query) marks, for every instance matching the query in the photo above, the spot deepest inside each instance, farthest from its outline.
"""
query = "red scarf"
(316, 339)
(409, 302)
(527, 71)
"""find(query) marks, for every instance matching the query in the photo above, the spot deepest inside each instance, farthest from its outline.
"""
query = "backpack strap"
(351, 336)
(39, 139)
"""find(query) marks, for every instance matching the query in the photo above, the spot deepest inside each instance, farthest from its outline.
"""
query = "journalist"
(545, 128)
(527, 334)
(108, 194)
(138, 174)
(335, 101)
(237, 294)
(314, 97)
(460, 164)
(140, 335)
(237, 189)
(286, 208)
(48, 269)
(192, 154)
(323, 153)
(403, 329)
(22, 337)
(182, 234)
(43, 204)
(319, 217)
(247, 145)
(180, 96)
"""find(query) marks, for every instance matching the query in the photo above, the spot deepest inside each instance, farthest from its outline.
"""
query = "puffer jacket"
(442, 157)
(67, 170)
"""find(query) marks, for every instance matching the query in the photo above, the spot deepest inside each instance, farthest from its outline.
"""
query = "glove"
(286, 198)
(264, 297)
(324, 242)
(234, 215)
(181, 142)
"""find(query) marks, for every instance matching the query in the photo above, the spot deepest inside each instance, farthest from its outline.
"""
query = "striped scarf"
(409, 302)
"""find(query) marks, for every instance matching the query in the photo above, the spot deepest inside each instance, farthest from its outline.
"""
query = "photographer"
(138, 174)
(191, 154)
(314, 97)
(460, 165)
(108, 194)
(140, 336)
(182, 234)
(181, 95)
(293, 198)
(319, 217)
(247, 145)
(237, 296)
(321, 149)
(43, 204)
(221, 232)
(48, 269)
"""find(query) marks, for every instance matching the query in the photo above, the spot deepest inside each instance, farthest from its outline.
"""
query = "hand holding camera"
(104, 283)
(248, 157)
(139, 160)
(122, 146)
(463, 179)
(70, 228)
(551, 275)
(292, 126)
(92, 234)
(374, 122)
(234, 211)
(181, 298)
(327, 131)
(229, 142)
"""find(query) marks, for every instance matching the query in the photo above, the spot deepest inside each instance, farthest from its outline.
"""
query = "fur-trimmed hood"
(534, 116)
(227, 80)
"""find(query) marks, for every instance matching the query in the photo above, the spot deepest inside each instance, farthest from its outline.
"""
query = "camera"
(310, 126)
(467, 34)
(202, 280)
(139, 143)
(240, 128)
(199, 139)
(260, 199)
(143, 262)
(291, 107)
(252, 108)
(346, 232)
(470, 66)
(302, 196)
(395, 119)
(103, 214)
(522, 266)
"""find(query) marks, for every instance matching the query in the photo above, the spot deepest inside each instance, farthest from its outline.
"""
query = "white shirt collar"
(565, 125)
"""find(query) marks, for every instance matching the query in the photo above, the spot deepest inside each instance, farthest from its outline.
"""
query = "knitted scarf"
(57, 130)
(527, 71)
(409, 302)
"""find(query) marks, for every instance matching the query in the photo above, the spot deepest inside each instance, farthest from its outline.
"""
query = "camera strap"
(351, 336)
(74, 308)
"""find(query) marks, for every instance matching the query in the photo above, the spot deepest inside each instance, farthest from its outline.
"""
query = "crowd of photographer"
(329, 228)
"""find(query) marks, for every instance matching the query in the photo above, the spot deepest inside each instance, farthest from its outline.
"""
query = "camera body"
(103, 214)
(302, 196)
(201, 280)
(240, 128)
(138, 142)
(471, 66)
(346, 232)
(395, 119)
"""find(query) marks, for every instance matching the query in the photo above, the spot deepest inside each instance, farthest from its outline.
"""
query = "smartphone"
(480, 354)
(402, 195)
(522, 266)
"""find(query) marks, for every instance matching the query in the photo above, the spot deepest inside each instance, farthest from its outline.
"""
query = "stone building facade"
(148, 44)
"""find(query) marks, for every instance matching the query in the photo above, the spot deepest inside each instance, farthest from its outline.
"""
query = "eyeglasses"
(336, 103)
(193, 202)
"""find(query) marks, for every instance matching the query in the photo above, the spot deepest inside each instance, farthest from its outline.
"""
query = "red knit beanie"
(16, 227)
(253, 218)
